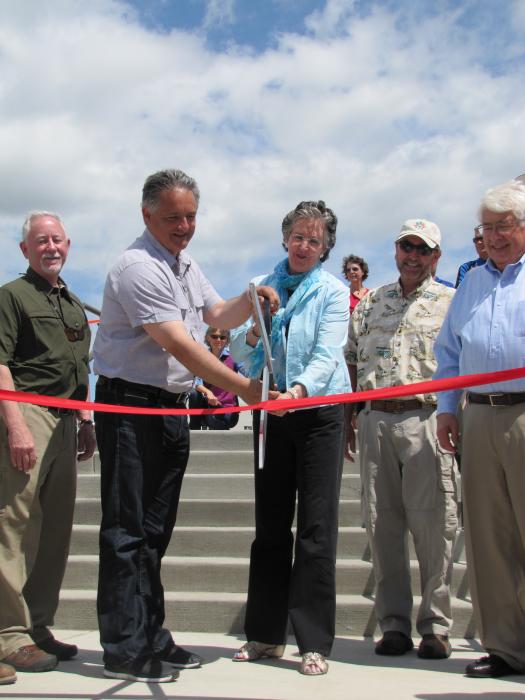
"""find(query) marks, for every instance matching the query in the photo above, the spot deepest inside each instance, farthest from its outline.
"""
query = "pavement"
(355, 673)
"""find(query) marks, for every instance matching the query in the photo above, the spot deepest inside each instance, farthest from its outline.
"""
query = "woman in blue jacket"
(304, 449)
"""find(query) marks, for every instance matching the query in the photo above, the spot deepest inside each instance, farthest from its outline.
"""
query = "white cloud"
(390, 116)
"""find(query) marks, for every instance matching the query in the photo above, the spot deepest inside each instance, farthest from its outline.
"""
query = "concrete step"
(233, 541)
(232, 486)
(224, 612)
(212, 461)
(230, 574)
(212, 512)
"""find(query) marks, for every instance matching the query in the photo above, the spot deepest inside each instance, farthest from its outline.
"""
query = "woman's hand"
(210, 397)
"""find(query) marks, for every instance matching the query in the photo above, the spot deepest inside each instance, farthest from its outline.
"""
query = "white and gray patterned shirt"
(391, 337)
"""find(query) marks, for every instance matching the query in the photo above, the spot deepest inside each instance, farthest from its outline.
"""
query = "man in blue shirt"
(484, 331)
(480, 260)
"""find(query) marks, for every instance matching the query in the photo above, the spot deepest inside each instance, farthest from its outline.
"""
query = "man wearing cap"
(484, 331)
(408, 484)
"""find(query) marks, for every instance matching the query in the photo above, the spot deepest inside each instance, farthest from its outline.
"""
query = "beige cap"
(422, 228)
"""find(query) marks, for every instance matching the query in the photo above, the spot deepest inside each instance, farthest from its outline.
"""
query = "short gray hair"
(26, 226)
(167, 180)
(312, 210)
(508, 197)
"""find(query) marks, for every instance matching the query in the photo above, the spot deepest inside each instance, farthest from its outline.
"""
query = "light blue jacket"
(317, 335)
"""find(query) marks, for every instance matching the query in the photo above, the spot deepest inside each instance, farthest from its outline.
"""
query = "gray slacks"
(408, 486)
(493, 479)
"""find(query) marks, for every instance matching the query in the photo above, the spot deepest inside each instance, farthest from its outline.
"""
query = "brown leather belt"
(497, 399)
(398, 406)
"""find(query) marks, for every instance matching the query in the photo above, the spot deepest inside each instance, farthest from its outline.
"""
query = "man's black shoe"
(181, 658)
(62, 651)
(394, 644)
(491, 666)
(143, 671)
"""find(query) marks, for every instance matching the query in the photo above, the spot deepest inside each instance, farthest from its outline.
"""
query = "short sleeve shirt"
(391, 337)
(34, 317)
(150, 285)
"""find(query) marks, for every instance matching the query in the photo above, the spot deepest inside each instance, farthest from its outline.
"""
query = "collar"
(42, 284)
(514, 268)
(182, 260)
(414, 294)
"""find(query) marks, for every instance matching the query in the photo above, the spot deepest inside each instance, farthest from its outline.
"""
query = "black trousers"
(303, 459)
(221, 421)
(143, 460)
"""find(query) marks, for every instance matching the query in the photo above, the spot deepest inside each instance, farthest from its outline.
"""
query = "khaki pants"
(493, 477)
(408, 485)
(36, 516)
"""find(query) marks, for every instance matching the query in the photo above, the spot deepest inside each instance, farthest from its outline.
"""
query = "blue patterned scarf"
(284, 283)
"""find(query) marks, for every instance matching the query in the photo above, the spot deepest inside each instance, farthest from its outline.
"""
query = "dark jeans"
(304, 458)
(221, 421)
(143, 460)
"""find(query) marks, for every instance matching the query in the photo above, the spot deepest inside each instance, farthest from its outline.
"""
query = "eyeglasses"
(421, 249)
(314, 243)
(218, 337)
(477, 239)
(503, 227)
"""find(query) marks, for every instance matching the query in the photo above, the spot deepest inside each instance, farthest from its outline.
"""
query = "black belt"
(151, 393)
(61, 411)
(497, 399)
(397, 406)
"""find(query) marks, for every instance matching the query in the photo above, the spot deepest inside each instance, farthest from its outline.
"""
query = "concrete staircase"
(205, 572)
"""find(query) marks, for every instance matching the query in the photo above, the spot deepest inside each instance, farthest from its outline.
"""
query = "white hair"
(508, 197)
(26, 226)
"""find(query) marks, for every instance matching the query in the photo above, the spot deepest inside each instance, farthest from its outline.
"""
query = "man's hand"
(284, 396)
(350, 425)
(266, 292)
(86, 441)
(448, 431)
(21, 446)
(252, 393)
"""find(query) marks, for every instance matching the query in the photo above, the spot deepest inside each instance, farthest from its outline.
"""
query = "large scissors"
(264, 321)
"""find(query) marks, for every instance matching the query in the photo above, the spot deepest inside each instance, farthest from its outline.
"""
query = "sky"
(386, 110)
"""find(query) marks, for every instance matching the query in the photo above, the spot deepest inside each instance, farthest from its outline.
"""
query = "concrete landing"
(356, 673)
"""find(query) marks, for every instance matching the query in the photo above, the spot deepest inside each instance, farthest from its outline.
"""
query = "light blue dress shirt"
(483, 331)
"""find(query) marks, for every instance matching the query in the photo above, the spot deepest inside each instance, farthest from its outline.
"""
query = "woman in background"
(355, 270)
(206, 395)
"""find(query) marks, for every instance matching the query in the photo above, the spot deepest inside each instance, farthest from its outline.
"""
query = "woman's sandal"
(252, 651)
(313, 664)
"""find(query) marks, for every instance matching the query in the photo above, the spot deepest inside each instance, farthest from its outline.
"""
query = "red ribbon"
(429, 387)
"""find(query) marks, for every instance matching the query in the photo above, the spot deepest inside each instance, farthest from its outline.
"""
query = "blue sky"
(254, 24)
(386, 110)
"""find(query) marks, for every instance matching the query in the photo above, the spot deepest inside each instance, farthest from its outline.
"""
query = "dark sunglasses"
(421, 249)
(477, 239)
(218, 337)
